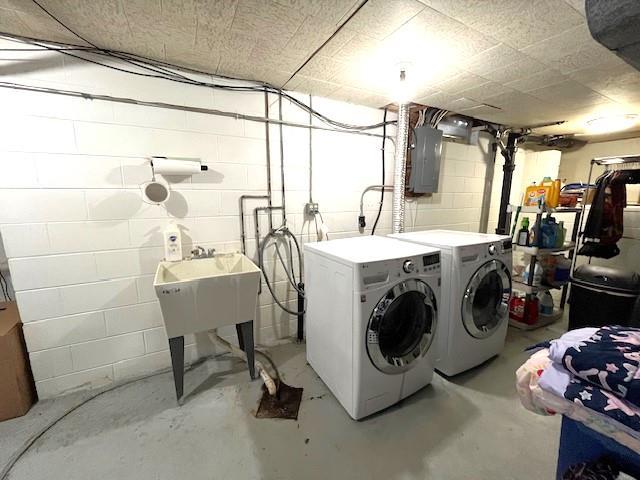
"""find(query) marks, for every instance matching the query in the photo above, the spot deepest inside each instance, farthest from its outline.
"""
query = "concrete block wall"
(82, 246)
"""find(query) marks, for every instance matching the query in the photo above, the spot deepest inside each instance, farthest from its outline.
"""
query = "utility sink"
(202, 294)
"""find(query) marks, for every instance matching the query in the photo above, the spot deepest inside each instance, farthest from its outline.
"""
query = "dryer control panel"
(485, 251)
(372, 275)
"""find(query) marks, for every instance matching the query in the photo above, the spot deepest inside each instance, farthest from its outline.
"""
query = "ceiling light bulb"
(612, 123)
(402, 90)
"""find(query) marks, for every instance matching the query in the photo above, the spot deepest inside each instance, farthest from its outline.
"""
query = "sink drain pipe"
(269, 382)
(400, 167)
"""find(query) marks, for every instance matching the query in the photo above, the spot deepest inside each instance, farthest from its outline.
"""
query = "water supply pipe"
(400, 157)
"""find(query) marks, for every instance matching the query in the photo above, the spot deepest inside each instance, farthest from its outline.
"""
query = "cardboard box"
(17, 390)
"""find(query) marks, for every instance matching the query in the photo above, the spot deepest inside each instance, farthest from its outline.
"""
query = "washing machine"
(371, 317)
(476, 286)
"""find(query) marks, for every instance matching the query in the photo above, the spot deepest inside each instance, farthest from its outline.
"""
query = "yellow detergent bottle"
(535, 195)
(549, 196)
(557, 187)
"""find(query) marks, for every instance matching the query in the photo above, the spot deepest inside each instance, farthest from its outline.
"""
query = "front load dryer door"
(402, 326)
(485, 303)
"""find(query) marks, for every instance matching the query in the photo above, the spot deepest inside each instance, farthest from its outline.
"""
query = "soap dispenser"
(172, 243)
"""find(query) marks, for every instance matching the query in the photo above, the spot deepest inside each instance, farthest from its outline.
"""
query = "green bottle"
(523, 233)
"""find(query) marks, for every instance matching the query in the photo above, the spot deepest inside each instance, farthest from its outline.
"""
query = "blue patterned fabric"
(604, 402)
(608, 359)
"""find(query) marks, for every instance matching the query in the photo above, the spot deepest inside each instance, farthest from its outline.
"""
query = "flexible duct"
(402, 136)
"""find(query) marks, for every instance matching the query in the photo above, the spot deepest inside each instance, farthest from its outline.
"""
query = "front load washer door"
(485, 303)
(402, 326)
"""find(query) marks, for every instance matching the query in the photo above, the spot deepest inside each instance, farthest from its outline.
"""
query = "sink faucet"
(200, 252)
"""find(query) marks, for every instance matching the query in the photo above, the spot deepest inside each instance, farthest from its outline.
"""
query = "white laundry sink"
(203, 294)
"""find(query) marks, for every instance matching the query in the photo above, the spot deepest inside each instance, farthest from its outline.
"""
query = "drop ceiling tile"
(572, 50)
(515, 101)
(267, 20)
(523, 68)
(460, 104)
(331, 11)
(534, 22)
(517, 23)
(570, 94)
(352, 95)
(436, 99)
(538, 80)
(618, 83)
(485, 112)
(578, 5)
(379, 18)
(275, 77)
(458, 83)
(313, 32)
(429, 37)
(312, 85)
(215, 18)
(10, 22)
(21, 6)
(358, 47)
(492, 59)
(236, 46)
(36, 26)
(322, 68)
(481, 92)
(338, 41)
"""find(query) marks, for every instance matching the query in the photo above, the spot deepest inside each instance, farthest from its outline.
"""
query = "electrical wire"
(63, 25)
(141, 62)
(384, 138)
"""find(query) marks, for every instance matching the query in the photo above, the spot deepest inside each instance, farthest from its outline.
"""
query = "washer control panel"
(375, 273)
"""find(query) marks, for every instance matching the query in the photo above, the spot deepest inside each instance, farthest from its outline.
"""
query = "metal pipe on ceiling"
(173, 106)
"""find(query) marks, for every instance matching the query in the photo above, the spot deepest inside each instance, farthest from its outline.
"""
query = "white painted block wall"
(82, 247)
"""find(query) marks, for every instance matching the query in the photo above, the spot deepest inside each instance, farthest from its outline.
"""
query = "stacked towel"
(600, 369)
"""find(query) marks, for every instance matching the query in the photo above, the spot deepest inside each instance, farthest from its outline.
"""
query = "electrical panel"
(425, 160)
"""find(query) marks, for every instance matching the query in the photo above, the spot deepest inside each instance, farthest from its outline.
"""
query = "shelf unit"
(543, 321)
(544, 251)
(533, 289)
(534, 252)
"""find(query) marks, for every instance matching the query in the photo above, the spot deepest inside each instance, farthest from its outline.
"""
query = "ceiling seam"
(317, 50)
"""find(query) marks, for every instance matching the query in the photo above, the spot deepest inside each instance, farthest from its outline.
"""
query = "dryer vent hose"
(400, 158)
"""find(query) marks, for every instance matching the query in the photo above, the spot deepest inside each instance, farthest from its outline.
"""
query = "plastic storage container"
(602, 296)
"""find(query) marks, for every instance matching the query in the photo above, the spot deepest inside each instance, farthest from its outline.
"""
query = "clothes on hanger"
(605, 225)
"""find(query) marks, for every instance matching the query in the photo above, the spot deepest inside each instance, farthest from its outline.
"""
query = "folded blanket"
(608, 359)
(572, 338)
(556, 380)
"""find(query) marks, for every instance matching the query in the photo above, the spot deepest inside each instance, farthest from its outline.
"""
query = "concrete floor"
(470, 426)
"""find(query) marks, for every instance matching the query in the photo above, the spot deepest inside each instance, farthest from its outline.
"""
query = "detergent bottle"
(549, 192)
(557, 188)
(534, 196)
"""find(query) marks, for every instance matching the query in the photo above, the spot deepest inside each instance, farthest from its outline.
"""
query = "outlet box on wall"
(311, 209)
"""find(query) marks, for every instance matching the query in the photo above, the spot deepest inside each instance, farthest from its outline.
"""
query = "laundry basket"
(602, 296)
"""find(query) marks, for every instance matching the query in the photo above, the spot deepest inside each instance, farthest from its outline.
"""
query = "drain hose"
(264, 374)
